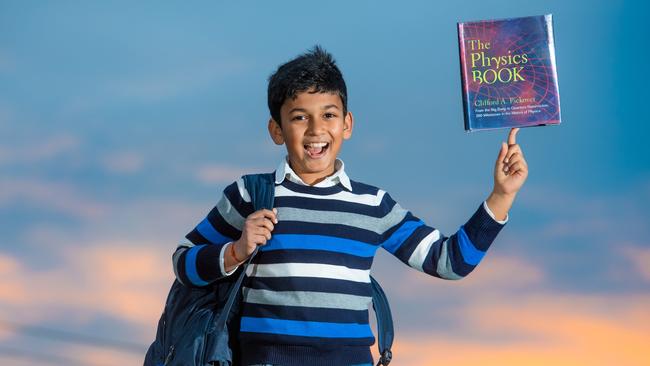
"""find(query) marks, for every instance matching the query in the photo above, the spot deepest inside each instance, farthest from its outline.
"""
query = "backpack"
(199, 326)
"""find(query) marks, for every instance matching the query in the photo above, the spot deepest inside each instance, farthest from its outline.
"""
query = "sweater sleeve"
(199, 258)
(426, 249)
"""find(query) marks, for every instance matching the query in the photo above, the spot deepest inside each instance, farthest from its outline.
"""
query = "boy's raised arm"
(428, 250)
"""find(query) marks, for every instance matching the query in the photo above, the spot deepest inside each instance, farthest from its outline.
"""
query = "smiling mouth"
(316, 151)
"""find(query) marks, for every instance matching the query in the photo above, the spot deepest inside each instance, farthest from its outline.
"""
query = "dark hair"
(314, 70)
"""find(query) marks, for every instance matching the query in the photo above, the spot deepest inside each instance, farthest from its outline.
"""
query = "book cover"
(508, 73)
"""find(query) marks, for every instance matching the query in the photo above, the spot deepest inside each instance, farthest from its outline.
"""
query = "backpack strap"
(261, 188)
(384, 323)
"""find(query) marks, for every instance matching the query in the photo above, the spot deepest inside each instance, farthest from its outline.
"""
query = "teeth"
(317, 144)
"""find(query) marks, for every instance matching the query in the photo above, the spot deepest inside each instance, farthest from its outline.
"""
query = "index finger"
(512, 137)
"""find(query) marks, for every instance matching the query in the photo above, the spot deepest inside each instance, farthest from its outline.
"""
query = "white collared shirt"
(284, 171)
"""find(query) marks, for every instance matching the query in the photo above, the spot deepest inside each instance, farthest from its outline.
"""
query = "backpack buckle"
(385, 358)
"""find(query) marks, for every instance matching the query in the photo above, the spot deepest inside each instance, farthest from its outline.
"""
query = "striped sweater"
(307, 292)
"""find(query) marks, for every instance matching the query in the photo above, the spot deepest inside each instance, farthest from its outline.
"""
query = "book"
(508, 73)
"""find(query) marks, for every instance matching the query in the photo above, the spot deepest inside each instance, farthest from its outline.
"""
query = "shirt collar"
(339, 176)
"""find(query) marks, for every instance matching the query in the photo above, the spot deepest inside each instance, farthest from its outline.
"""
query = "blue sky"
(120, 124)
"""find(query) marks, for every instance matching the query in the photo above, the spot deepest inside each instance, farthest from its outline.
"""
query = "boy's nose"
(315, 125)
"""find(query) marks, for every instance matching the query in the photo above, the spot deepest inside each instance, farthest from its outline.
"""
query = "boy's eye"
(330, 115)
(299, 118)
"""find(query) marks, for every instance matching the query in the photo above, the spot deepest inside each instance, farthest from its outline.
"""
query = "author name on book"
(503, 101)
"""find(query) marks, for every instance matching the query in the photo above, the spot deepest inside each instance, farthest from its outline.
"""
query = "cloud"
(505, 316)
(11, 292)
(43, 149)
(163, 219)
(496, 273)
(576, 214)
(126, 280)
(639, 258)
(110, 273)
(543, 329)
(123, 162)
(217, 173)
(162, 83)
(55, 353)
(505, 272)
(61, 197)
(173, 82)
(94, 356)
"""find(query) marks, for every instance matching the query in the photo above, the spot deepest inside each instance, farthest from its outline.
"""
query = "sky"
(122, 122)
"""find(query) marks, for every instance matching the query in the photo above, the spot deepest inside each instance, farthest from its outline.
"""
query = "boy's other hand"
(511, 169)
(257, 231)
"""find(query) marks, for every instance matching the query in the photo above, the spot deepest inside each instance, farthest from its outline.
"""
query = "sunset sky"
(121, 123)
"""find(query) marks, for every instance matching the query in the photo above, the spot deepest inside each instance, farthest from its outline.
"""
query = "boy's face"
(313, 129)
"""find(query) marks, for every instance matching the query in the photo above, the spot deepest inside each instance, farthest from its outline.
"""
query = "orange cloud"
(549, 329)
(125, 280)
(128, 281)
(510, 329)
(94, 356)
(10, 291)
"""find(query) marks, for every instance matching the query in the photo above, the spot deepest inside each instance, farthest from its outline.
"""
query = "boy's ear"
(276, 132)
(348, 124)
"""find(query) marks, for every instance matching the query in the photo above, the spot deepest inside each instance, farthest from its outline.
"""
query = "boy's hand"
(511, 169)
(510, 172)
(257, 230)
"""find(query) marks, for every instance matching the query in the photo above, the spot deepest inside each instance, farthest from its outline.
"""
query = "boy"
(307, 292)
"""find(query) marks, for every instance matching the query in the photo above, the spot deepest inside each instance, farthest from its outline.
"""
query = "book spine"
(548, 19)
(463, 78)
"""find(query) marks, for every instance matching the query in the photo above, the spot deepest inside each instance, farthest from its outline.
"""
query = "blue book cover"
(508, 73)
